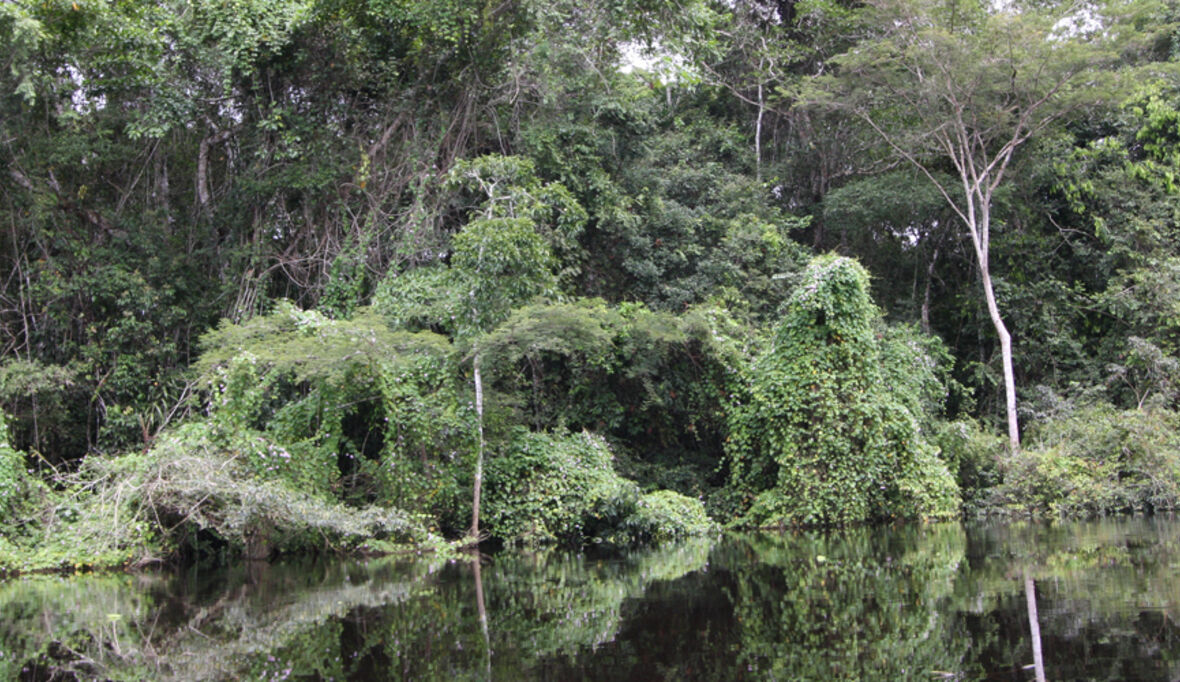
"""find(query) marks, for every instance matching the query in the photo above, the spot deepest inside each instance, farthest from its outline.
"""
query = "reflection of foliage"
(842, 606)
(914, 602)
(848, 606)
(326, 619)
(561, 603)
(540, 607)
(1109, 601)
(123, 627)
(89, 619)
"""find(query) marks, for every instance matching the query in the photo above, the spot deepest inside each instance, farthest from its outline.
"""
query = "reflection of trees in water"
(1107, 596)
(148, 627)
(547, 604)
(560, 603)
(77, 623)
(383, 619)
(858, 604)
(869, 603)
(915, 602)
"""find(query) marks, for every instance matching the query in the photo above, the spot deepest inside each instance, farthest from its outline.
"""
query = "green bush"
(191, 478)
(1096, 460)
(195, 485)
(297, 452)
(319, 403)
(12, 471)
(429, 435)
(665, 515)
(653, 382)
(973, 454)
(559, 487)
(422, 299)
(39, 402)
(562, 487)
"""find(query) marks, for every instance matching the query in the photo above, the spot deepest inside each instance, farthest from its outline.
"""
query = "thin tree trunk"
(203, 164)
(483, 616)
(1005, 357)
(479, 456)
(980, 228)
(1030, 597)
(758, 136)
(36, 429)
(926, 293)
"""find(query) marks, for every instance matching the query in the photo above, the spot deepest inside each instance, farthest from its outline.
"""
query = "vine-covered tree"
(818, 436)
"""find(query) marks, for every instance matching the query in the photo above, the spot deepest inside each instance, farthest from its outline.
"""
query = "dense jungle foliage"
(312, 274)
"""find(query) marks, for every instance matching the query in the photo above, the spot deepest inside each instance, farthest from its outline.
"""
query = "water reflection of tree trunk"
(1030, 597)
(483, 615)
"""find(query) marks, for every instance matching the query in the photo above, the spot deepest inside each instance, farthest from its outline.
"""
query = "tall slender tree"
(502, 258)
(956, 88)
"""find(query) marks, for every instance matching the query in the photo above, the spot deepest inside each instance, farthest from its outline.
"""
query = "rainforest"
(299, 277)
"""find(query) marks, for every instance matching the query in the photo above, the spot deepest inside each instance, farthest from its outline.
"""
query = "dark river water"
(922, 602)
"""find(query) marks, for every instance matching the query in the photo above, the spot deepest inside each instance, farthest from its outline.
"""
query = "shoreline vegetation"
(381, 276)
(262, 473)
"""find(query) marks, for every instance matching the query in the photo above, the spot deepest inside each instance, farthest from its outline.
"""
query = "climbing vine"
(816, 437)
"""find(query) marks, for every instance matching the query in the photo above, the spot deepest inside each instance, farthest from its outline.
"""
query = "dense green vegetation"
(366, 274)
(819, 437)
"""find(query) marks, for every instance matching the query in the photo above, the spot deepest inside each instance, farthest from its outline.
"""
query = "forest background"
(310, 273)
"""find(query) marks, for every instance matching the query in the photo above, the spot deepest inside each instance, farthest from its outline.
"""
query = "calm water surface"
(914, 602)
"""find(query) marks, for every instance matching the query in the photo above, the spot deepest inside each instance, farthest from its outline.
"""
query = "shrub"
(1096, 460)
(191, 478)
(665, 515)
(195, 486)
(429, 435)
(12, 471)
(424, 298)
(973, 455)
(654, 381)
(555, 487)
(40, 401)
(562, 487)
(319, 402)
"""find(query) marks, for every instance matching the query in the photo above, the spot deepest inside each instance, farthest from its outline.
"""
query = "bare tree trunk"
(979, 225)
(1005, 358)
(479, 456)
(164, 199)
(203, 164)
(926, 293)
(758, 136)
